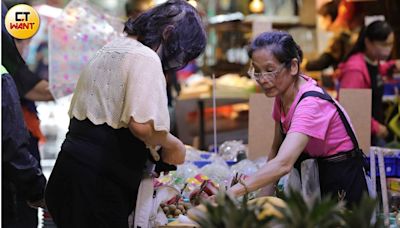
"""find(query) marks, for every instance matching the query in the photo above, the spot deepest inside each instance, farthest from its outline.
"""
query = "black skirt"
(96, 177)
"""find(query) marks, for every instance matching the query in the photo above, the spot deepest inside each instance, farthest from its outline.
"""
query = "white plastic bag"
(291, 181)
(148, 213)
(308, 184)
(310, 187)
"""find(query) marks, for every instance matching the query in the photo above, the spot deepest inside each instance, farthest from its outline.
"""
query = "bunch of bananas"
(267, 206)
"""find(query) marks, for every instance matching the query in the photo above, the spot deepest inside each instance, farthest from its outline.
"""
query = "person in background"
(30, 88)
(32, 123)
(30, 113)
(338, 45)
(119, 111)
(308, 123)
(22, 177)
(344, 36)
(29, 85)
(365, 66)
(42, 59)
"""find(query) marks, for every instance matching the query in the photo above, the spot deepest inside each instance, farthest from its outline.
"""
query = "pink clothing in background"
(354, 74)
(316, 118)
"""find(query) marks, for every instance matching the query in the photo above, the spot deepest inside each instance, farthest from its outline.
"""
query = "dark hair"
(187, 36)
(281, 44)
(329, 9)
(376, 31)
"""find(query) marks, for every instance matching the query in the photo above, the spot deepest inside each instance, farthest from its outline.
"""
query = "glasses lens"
(264, 75)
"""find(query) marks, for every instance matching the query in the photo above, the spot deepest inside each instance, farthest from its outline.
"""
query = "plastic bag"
(245, 167)
(230, 149)
(148, 213)
(185, 171)
(218, 171)
(290, 181)
(310, 187)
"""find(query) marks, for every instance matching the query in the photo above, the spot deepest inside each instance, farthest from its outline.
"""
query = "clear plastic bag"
(218, 171)
(245, 167)
(310, 186)
(230, 149)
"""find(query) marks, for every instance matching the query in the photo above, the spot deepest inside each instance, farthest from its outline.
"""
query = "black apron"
(341, 175)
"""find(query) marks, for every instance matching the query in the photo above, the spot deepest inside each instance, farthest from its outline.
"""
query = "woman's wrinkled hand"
(382, 131)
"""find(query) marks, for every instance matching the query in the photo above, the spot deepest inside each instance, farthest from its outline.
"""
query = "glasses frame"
(265, 75)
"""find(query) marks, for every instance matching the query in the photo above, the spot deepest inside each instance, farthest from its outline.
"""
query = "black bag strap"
(325, 96)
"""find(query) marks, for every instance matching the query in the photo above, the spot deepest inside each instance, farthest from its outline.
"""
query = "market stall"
(225, 120)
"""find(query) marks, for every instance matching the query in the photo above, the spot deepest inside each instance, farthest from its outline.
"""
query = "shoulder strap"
(325, 96)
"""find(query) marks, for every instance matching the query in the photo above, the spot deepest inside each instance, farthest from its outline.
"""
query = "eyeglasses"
(264, 75)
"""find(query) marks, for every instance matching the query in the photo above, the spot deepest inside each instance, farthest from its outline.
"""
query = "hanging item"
(74, 37)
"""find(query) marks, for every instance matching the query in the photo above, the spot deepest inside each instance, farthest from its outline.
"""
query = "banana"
(268, 206)
(197, 212)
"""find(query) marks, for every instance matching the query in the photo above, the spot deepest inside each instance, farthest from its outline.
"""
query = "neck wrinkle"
(290, 94)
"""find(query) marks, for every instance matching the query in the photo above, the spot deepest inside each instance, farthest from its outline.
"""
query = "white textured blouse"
(123, 80)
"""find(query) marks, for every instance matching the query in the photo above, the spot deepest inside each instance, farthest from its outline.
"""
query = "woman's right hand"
(175, 152)
(382, 131)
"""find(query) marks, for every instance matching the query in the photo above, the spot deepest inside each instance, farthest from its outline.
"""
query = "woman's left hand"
(397, 64)
(175, 153)
(382, 131)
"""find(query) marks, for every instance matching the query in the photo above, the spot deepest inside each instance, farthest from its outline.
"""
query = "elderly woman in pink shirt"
(308, 123)
(364, 67)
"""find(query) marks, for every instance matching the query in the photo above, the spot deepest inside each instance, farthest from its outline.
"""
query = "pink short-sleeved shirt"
(316, 118)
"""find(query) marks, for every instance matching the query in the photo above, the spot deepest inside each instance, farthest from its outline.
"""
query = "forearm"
(324, 61)
(40, 92)
(174, 150)
(274, 149)
(289, 151)
(161, 138)
(151, 137)
(276, 142)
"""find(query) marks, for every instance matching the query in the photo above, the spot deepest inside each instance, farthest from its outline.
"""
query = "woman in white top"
(118, 111)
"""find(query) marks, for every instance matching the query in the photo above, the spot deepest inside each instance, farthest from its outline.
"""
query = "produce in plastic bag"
(245, 167)
(290, 181)
(193, 154)
(229, 150)
(218, 171)
(185, 171)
